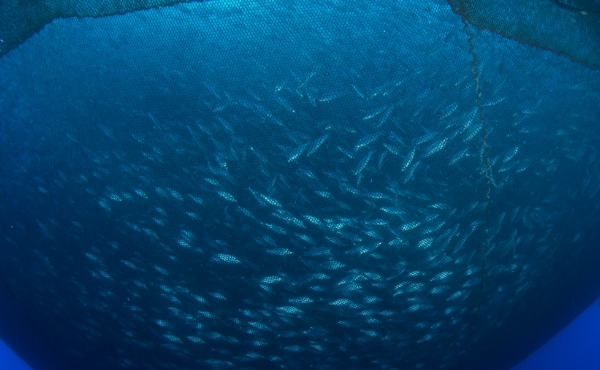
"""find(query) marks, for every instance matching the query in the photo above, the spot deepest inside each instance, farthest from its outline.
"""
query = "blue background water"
(576, 347)
(9, 360)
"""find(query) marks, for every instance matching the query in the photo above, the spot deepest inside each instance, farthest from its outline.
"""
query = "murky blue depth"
(294, 185)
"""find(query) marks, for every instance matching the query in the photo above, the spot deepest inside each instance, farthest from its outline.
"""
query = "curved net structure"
(569, 28)
(292, 184)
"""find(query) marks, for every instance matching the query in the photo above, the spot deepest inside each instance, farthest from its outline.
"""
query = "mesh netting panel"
(19, 20)
(570, 28)
(586, 6)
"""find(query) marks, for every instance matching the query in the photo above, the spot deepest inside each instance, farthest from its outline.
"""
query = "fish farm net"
(296, 184)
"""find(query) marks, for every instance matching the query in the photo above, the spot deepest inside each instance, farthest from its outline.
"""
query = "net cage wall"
(296, 184)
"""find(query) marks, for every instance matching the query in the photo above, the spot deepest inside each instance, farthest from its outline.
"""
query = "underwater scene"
(271, 184)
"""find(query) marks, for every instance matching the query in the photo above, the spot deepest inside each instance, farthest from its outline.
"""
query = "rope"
(487, 167)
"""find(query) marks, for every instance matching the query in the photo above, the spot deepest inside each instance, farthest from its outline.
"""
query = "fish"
(365, 141)
(408, 159)
(294, 154)
(316, 144)
(363, 162)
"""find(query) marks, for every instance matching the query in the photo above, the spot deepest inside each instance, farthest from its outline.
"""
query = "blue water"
(9, 360)
(575, 347)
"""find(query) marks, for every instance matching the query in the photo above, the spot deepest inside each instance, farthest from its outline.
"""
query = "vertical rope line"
(487, 167)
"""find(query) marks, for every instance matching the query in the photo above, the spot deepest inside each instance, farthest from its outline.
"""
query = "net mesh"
(297, 184)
